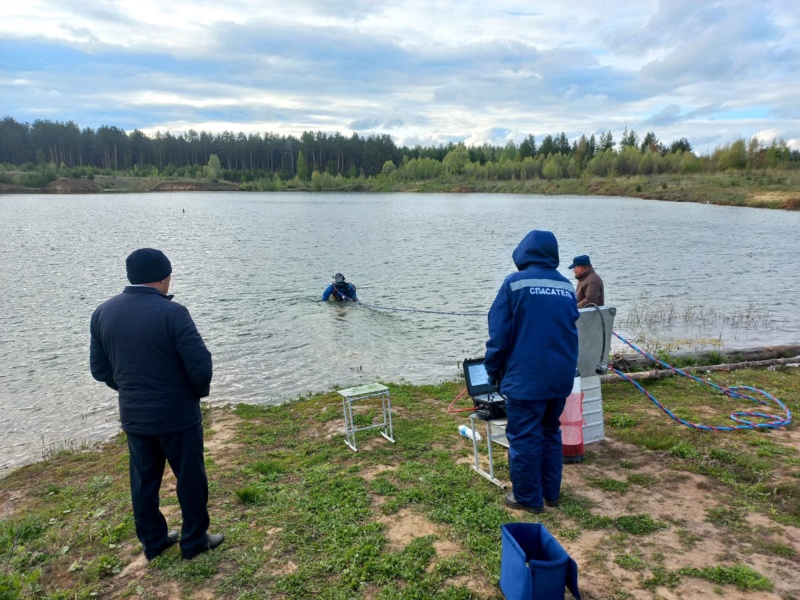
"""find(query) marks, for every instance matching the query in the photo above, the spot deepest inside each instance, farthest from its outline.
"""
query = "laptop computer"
(488, 402)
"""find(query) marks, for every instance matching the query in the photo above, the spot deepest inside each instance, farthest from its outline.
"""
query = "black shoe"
(172, 539)
(572, 460)
(511, 501)
(551, 503)
(212, 541)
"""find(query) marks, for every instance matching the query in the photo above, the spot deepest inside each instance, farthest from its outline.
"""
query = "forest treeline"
(54, 148)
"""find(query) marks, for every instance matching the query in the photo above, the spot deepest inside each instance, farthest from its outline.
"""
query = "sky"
(425, 72)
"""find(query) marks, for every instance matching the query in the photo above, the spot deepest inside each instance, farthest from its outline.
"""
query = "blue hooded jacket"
(533, 337)
(340, 291)
(148, 348)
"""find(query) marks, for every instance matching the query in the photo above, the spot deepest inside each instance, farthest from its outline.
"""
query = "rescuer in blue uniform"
(340, 290)
(532, 353)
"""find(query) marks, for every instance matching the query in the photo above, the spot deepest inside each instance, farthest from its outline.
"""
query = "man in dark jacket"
(148, 349)
(532, 352)
(590, 286)
(340, 290)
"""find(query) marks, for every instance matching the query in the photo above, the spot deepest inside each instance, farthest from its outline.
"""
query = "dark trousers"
(534, 454)
(148, 455)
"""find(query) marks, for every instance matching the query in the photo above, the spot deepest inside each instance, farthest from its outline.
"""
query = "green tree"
(552, 170)
(388, 168)
(606, 141)
(548, 146)
(214, 167)
(457, 159)
(650, 142)
(629, 139)
(527, 147)
(681, 145)
(302, 168)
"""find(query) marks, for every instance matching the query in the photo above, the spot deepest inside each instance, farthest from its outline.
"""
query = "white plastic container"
(467, 432)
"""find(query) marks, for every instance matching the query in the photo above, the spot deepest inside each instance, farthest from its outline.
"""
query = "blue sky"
(423, 72)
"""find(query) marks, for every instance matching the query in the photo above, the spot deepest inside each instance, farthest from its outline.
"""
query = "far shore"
(780, 190)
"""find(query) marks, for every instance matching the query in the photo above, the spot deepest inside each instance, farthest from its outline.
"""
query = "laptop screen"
(476, 378)
(477, 374)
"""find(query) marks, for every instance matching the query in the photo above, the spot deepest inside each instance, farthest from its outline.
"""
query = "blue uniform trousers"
(148, 455)
(534, 455)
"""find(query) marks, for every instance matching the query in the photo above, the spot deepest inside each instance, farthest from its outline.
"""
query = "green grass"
(621, 422)
(639, 524)
(662, 577)
(610, 485)
(631, 562)
(740, 576)
(642, 479)
(306, 517)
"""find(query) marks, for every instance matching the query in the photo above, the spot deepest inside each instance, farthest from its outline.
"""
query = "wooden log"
(637, 361)
(662, 373)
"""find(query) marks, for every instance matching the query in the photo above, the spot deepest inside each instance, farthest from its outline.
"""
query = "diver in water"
(340, 290)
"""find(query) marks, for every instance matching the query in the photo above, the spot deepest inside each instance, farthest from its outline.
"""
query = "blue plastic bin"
(534, 565)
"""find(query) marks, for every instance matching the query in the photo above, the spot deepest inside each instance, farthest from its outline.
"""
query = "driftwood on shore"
(662, 373)
(638, 361)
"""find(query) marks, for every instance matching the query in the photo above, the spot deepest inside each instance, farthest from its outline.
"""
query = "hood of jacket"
(537, 249)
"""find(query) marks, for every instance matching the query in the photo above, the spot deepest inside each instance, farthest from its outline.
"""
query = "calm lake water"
(251, 267)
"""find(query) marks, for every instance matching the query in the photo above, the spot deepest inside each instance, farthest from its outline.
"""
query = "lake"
(251, 267)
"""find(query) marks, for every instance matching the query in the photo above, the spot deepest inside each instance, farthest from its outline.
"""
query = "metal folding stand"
(363, 392)
(498, 438)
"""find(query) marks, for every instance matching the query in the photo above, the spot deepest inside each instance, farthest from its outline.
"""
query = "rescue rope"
(417, 310)
(742, 417)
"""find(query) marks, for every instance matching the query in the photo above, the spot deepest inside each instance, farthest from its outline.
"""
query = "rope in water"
(425, 312)
(743, 417)
(771, 421)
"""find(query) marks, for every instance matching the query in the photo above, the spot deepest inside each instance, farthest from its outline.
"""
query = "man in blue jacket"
(148, 349)
(532, 352)
(340, 290)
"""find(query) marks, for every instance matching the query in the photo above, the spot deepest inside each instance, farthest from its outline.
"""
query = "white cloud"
(437, 71)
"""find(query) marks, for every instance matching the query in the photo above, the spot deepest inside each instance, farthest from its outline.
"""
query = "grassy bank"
(762, 189)
(657, 510)
(757, 189)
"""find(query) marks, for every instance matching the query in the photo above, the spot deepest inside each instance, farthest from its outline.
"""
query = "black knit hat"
(147, 265)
